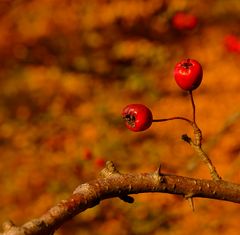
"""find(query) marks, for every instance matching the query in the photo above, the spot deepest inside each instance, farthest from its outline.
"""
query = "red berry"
(87, 154)
(184, 21)
(232, 43)
(188, 74)
(138, 117)
(100, 162)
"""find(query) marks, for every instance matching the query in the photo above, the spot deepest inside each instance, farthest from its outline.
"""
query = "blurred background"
(67, 68)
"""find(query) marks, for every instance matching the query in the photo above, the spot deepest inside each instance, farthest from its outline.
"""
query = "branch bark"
(112, 183)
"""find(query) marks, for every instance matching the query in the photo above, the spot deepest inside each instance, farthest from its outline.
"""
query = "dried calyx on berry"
(137, 117)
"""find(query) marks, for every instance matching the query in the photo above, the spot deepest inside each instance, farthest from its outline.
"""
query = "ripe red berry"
(87, 154)
(188, 74)
(232, 43)
(184, 21)
(100, 162)
(138, 117)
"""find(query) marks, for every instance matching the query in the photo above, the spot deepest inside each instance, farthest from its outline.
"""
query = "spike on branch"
(109, 169)
(189, 197)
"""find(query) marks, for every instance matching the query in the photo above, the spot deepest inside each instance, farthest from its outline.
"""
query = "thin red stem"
(173, 118)
(193, 107)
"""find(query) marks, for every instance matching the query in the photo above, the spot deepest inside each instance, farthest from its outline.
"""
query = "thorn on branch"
(189, 197)
(159, 170)
(159, 175)
(109, 169)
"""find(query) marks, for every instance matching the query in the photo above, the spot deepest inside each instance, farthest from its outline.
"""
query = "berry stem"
(173, 118)
(193, 106)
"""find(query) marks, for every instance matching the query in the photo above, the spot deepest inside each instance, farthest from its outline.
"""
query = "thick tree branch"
(112, 183)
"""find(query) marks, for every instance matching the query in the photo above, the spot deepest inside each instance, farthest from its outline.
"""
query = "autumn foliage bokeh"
(67, 68)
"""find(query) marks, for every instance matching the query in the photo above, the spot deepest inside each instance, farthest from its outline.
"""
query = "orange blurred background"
(67, 68)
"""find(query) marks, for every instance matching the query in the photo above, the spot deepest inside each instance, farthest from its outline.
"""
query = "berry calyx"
(137, 117)
(188, 74)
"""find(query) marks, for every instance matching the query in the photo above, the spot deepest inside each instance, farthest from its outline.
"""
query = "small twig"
(197, 144)
(204, 157)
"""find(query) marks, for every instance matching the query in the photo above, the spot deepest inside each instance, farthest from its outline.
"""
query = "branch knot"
(108, 170)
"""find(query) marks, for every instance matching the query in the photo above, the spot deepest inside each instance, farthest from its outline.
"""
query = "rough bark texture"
(111, 184)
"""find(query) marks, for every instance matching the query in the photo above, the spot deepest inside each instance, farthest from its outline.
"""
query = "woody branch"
(112, 183)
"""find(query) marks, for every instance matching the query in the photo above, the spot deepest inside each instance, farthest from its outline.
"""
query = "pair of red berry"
(188, 75)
